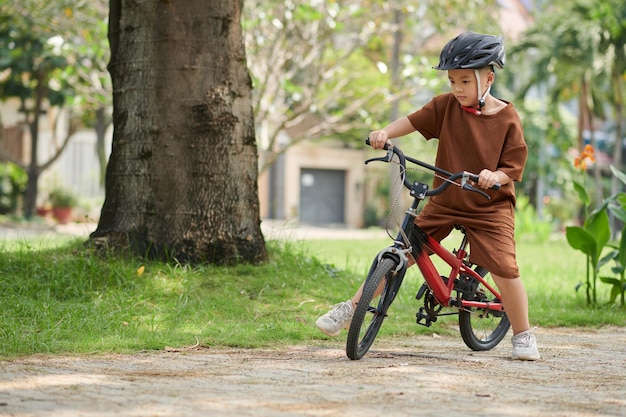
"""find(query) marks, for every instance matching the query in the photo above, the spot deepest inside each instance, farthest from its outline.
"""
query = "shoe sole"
(331, 334)
(525, 358)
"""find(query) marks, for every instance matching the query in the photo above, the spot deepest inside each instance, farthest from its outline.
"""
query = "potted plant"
(45, 209)
(63, 201)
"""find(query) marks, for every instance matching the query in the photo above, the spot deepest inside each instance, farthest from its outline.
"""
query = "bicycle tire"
(482, 331)
(368, 317)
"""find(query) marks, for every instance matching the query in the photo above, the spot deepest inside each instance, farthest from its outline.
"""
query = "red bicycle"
(467, 290)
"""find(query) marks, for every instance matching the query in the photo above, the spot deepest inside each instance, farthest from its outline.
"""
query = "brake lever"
(465, 184)
(386, 158)
(470, 187)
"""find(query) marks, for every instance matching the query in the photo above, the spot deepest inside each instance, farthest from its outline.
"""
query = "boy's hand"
(487, 179)
(378, 139)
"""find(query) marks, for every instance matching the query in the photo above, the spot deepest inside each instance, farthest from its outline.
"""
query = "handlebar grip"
(367, 142)
(495, 187)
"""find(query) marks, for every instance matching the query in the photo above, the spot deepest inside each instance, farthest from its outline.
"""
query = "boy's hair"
(472, 50)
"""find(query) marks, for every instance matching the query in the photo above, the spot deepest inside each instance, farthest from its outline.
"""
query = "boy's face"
(463, 84)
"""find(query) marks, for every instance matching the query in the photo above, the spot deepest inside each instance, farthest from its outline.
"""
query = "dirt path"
(582, 373)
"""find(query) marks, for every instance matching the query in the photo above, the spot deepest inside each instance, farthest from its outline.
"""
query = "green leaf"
(582, 193)
(603, 206)
(611, 280)
(580, 239)
(616, 287)
(618, 174)
(607, 258)
(598, 226)
(621, 199)
(307, 13)
(618, 211)
(621, 258)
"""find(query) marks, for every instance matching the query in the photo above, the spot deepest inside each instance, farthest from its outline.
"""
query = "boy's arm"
(400, 127)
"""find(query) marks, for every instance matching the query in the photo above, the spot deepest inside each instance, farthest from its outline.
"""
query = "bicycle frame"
(430, 247)
(441, 290)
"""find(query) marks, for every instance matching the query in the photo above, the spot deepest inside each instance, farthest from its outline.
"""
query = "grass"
(551, 272)
(59, 297)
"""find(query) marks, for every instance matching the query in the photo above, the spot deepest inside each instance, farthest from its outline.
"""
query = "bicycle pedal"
(424, 319)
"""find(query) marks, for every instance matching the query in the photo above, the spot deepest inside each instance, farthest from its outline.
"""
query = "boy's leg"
(515, 302)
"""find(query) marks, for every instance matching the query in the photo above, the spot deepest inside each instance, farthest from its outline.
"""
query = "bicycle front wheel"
(482, 329)
(372, 308)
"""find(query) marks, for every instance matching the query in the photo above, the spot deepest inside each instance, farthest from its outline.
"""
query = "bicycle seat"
(460, 227)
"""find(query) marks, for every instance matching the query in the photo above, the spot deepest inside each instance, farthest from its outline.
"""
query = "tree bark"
(182, 177)
(102, 123)
(34, 170)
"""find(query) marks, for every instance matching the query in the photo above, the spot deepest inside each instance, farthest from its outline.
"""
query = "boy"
(477, 133)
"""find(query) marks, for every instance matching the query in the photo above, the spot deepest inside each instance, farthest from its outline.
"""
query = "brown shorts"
(490, 235)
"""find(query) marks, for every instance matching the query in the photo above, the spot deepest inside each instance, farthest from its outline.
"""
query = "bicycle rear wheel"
(371, 309)
(482, 329)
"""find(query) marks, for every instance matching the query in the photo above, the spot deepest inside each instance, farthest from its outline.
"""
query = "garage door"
(322, 194)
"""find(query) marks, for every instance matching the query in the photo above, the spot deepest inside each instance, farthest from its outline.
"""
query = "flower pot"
(62, 214)
(44, 211)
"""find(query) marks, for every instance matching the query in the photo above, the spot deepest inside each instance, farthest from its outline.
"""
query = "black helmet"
(472, 50)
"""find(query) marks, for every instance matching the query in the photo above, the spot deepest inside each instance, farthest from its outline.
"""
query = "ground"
(582, 373)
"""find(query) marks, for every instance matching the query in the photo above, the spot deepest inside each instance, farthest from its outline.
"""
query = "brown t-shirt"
(472, 143)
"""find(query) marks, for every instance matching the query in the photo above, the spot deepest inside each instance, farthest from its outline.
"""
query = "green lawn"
(550, 270)
(61, 297)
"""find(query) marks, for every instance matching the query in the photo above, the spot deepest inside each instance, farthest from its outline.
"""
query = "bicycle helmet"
(472, 50)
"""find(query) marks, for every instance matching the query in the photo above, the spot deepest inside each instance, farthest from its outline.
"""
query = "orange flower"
(589, 152)
(580, 162)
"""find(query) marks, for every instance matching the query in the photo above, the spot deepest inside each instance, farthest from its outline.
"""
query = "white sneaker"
(336, 319)
(525, 347)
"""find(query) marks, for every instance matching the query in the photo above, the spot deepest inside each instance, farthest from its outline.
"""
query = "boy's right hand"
(378, 139)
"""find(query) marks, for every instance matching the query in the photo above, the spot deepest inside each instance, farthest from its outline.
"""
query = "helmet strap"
(481, 100)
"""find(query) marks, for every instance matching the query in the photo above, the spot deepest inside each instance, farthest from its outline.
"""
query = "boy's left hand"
(487, 178)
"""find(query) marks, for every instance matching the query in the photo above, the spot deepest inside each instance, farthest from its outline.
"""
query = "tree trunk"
(102, 123)
(34, 170)
(182, 177)
(32, 184)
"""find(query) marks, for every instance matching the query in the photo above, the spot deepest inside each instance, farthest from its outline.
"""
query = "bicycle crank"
(427, 315)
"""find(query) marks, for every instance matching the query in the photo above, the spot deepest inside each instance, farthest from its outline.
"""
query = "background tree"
(32, 60)
(89, 76)
(576, 52)
(52, 60)
(611, 16)
(182, 177)
(324, 69)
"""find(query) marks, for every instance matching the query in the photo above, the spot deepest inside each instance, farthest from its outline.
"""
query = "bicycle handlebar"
(464, 176)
